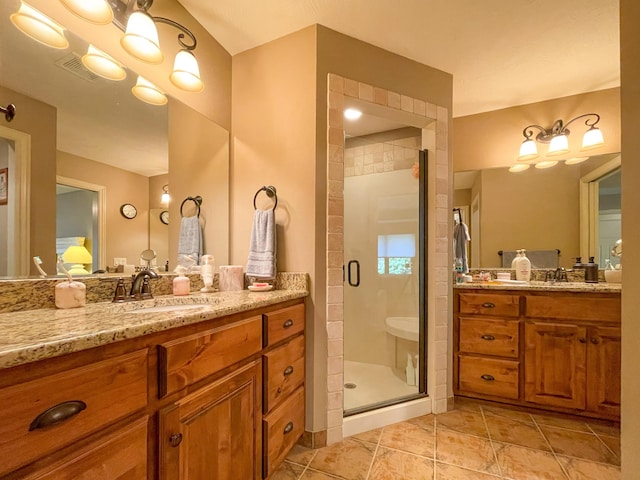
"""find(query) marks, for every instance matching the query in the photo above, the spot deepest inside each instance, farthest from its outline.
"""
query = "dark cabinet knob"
(175, 439)
(488, 337)
(487, 378)
(288, 324)
(57, 413)
(489, 305)
(288, 371)
(288, 428)
(595, 340)
(582, 340)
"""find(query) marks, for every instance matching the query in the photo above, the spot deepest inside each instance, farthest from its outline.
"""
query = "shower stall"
(384, 269)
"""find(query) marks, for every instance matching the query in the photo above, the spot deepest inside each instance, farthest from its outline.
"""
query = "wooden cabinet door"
(555, 361)
(603, 370)
(215, 431)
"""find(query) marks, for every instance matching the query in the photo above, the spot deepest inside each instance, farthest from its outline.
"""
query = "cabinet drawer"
(489, 336)
(102, 393)
(283, 372)
(189, 359)
(574, 307)
(487, 304)
(281, 429)
(283, 323)
(489, 376)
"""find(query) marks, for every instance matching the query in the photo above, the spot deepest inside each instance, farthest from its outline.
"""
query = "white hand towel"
(190, 239)
(262, 248)
(460, 239)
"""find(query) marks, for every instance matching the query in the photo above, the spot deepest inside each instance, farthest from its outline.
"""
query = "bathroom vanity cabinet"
(554, 350)
(220, 398)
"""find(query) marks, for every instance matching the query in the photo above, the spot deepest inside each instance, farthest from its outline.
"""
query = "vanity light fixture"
(141, 41)
(352, 114)
(94, 11)
(9, 112)
(164, 199)
(556, 137)
(147, 92)
(38, 26)
(103, 64)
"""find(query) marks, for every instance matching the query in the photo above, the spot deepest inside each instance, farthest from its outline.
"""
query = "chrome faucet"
(140, 288)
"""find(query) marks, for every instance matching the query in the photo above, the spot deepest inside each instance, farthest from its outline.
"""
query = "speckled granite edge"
(34, 335)
(543, 286)
(36, 293)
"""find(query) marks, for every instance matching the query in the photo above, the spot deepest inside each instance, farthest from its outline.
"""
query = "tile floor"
(474, 441)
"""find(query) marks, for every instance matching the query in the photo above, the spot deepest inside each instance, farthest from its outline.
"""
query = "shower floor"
(374, 383)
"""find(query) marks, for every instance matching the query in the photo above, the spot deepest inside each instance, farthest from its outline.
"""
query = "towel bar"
(271, 193)
(197, 200)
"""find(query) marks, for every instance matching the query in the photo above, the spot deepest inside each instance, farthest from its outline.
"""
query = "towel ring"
(271, 193)
(197, 200)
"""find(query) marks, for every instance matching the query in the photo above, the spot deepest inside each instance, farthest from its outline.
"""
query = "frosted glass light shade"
(558, 146)
(528, 150)
(519, 167)
(94, 11)
(148, 92)
(103, 64)
(575, 160)
(141, 38)
(546, 164)
(39, 27)
(186, 73)
(592, 138)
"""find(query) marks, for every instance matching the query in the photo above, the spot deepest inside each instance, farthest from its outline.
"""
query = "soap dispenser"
(523, 267)
(591, 271)
(181, 284)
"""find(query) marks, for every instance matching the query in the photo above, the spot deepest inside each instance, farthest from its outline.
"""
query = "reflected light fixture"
(94, 11)
(164, 199)
(39, 27)
(519, 167)
(141, 41)
(78, 256)
(352, 114)
(103, 64)
(575, 160)
(148, 92)
(556, 137)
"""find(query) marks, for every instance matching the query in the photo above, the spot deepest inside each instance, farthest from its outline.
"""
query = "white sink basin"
(169, 308)
(403, 327)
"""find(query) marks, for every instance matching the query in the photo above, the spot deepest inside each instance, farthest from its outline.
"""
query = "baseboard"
(313, 439)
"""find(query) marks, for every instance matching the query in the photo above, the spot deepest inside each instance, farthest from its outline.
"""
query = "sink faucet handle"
(550, 276)
(120, 295)
(145, 290)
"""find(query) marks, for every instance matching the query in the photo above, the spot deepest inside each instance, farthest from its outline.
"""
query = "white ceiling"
(501, 52)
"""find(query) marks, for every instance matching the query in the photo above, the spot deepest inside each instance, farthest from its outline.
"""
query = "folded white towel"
(262, 248)
(190, 239)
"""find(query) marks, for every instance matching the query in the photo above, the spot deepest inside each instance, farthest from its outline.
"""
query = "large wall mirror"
(563, 212)
(94, 148)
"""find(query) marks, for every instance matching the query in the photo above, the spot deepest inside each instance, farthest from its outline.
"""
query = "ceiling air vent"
(73, 63)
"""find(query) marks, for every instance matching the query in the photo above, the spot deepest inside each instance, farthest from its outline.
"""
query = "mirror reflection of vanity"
(571, 208)
(104, 140)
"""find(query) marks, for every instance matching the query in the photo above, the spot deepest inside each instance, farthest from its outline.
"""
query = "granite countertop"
(542, 286)
(33, 335)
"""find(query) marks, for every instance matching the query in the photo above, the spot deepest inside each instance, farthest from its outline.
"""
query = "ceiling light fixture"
(141, 41)
(9, 112)
(39, 27)
(148, 92)
(103, 64)
(556, 137)
(94, 11)
(352, 114)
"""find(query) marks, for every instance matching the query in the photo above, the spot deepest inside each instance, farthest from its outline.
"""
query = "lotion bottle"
(181, 284)
(523, 267)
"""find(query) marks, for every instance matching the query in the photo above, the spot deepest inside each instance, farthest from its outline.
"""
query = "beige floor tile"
(610, 430)
(462, 421)
(519, 463)
(505, 430)
(372, 436)
(461, 403)
(409, 438)
(287, 471)
(557, 420)
(315, 475)
(585, 470)
(301, 455)
(348, 459)
(468, 451)
(507, 412)
(578, 444)
(613, 443)
(395, 465)
(426, 421)
(451, 472)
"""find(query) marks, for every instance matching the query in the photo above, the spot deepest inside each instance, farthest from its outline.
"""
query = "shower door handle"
(352, 283)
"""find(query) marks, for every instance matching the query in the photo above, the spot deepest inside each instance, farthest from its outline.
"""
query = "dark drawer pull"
(288, 371)
(57, 413)
(488, 378)
(175, 439)
(488, 337)
(288, 427)
(288, 324)
(489, 305)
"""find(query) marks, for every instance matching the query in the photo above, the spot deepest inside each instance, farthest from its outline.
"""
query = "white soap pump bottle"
(523, 267)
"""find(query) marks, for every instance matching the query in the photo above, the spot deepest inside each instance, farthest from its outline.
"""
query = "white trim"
(19, 243)
(101, 190)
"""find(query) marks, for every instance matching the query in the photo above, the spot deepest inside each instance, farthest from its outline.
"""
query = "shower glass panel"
(383, 245)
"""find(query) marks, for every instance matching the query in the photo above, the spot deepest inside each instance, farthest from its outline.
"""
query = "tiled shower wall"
(381, 156)
(438, 228)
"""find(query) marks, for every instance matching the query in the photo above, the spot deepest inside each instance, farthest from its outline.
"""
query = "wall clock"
(128, 211)
(164, 217)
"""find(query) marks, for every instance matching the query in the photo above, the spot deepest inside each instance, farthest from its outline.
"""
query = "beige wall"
(630, 96)
(493, 139)
(39, 120)
(125, 237)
